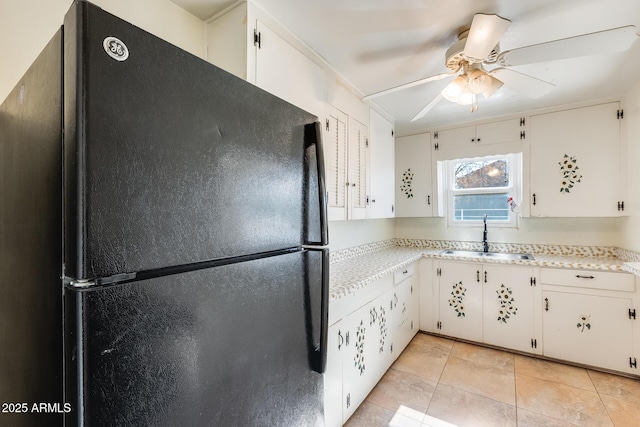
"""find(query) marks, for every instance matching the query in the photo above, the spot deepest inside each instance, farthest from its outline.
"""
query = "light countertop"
(356, 272)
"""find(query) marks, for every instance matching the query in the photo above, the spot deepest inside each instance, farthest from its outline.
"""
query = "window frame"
(514, 189)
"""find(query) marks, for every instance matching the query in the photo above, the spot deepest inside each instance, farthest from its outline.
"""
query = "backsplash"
(355, 251)
(559, 250)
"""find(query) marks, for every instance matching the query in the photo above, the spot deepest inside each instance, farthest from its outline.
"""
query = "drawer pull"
(584, 277)
(405, 272)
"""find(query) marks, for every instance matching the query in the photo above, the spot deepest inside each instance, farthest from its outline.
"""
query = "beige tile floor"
(441, 382)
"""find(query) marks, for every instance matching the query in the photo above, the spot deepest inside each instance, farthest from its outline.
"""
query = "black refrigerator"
(163, 239)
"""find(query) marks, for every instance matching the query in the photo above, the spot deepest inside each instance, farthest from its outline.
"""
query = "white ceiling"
(377, 44)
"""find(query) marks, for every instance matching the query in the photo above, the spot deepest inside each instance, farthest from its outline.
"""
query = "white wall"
(630, 226)
(27, 26)
(347, 234)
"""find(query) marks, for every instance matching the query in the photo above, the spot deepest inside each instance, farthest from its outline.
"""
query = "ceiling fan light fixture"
(493, 86)
(466, 98)
(454, 89)
(479, 81)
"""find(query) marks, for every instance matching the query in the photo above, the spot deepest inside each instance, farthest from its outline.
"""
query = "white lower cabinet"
(588, 318)
(363, 342)
(507, 307)
(588, 329)
(367, 350)
(333, 376)
(492, 304)
(406, 309)
(460, 300)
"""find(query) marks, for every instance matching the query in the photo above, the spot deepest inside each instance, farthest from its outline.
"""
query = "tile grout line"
(439, 377)
(600, 397)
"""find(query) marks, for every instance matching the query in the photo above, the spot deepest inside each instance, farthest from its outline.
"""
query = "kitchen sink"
(493, 255)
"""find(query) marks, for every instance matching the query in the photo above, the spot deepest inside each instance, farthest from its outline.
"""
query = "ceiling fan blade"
(484, 35)
(408, 85)
(523, 84)
(427, 108)
(613, 40)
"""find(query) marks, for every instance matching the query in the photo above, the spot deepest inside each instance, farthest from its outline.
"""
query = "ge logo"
(115, 48)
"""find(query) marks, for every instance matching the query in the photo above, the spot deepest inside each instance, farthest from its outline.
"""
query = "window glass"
(473, 207)
(481, 173)
(481, 186)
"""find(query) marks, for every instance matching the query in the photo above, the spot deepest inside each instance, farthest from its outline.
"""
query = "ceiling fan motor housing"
(455, 55)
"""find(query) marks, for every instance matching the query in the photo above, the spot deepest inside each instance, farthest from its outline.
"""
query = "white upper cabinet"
(346, 166)
(414, 193)
(242, 44)
(335, 158)
(576, 164)
(382, 193)
(498, 132)
(358, 173)
(285, 72)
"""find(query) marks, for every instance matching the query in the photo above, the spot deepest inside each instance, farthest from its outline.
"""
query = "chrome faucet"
(485, 244)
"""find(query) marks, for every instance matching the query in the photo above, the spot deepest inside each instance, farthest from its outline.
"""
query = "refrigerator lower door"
(225, 346)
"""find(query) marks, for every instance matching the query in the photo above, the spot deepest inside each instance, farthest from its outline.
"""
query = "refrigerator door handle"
(314, 153)
(318, 350)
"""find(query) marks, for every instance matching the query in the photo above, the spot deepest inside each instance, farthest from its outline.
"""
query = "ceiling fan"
(479, 46)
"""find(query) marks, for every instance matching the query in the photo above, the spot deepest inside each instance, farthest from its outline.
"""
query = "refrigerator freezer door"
(170, 160)
(226, 346)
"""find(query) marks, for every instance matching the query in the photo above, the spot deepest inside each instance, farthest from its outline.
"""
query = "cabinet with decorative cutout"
(589, 318)
(414, 192)
(575, 163)
(459, 300)
(508, 299)
(488, 303)
(406, 311)
(367, 352)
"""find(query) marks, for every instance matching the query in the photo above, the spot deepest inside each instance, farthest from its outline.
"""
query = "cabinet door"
(335, 159)
(589, 329)
(357, 363)
(414, 195)
(405, 313)
(575, 162)
(500, 132)
(333, 377)
(460, 300)
(301, 82)
(508, 307)
(453, 139)
(428, 310)
(357, 177)
(382, 167)
(382, 323)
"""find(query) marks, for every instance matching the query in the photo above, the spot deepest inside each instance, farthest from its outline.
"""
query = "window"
(482, 186)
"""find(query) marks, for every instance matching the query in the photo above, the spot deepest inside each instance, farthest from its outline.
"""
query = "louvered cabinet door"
(335, 159)
(358, 172)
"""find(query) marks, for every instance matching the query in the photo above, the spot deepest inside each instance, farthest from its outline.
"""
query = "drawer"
(592, 279)
(403, 273)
